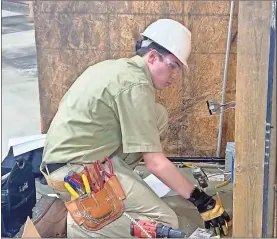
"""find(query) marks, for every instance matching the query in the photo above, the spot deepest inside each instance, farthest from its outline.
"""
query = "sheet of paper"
(21, 140)
(215, 178)
(157, 186)
(25, 144)
(201, 233)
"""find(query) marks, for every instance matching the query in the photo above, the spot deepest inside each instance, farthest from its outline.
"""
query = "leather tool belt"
(101, 199)
(57, 185)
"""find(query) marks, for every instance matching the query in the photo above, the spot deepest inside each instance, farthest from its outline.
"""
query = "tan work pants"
(140, 202)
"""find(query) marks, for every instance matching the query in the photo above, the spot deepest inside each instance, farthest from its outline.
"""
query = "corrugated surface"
(74, 34)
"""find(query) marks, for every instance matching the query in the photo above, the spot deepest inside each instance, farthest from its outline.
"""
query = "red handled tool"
(76, 186)
(76, 178)
(154, 229)
(101, 172)
(105, 172)
(100, 180)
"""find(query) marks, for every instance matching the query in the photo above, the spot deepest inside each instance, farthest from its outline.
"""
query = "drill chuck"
(165, 231)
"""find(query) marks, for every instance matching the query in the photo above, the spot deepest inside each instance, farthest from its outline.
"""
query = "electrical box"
(230, 159)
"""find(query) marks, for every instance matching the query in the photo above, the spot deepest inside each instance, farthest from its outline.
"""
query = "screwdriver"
(92, 185)
(73, 184)
(75, 177)
(86, 183)
(71, 190)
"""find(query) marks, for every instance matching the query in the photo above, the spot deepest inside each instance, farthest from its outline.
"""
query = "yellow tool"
(71, 190)
(86, 183)
(189, 165)
(227, 224)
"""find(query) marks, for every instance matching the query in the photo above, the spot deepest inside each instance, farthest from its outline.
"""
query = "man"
(111, 110)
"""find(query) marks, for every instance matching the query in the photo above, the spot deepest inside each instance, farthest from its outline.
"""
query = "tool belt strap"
(57, 185)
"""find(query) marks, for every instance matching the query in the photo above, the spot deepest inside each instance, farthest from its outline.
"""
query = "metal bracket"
(215, 108)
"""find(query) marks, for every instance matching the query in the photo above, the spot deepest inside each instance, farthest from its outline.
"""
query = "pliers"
(101, 172)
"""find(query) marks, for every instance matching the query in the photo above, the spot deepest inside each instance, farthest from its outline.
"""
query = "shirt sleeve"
(138, 121)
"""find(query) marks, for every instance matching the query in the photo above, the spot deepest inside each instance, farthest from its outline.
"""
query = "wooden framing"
(250, 125)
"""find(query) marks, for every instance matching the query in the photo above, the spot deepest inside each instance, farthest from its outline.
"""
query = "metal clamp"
(214, 107)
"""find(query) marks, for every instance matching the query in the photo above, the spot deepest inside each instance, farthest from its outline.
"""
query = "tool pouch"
(95, 210)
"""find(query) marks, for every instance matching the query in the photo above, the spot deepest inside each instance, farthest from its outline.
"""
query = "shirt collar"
(140, 62)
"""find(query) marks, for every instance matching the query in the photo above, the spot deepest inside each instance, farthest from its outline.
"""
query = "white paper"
(201, 233)
(215, 178)
(157, 186)
(25, 144)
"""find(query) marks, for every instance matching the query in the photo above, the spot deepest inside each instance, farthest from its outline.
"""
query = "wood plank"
(251, 93)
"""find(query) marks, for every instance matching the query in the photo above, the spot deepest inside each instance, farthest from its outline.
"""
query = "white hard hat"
(171, 35)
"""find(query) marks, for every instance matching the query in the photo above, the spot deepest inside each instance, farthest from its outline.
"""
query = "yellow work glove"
(211, 211)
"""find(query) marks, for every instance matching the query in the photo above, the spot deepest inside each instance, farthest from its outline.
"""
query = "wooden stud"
(251, 93)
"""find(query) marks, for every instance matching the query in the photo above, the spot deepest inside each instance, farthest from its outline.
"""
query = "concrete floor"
(20, 97)
(189, 218)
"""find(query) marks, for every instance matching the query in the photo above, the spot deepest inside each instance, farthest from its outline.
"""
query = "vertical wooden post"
(250, 126)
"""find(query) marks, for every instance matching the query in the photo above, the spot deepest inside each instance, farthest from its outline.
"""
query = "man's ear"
(152, 56)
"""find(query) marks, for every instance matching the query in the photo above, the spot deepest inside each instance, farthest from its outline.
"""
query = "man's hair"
(141, 51)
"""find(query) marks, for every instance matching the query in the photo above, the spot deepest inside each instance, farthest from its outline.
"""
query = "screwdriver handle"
(86, 183)
(76, 178)
(73, 184)
(92, 185)
(88, 175)
(71, 190)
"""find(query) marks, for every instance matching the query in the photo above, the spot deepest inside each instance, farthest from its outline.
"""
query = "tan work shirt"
(111, 104)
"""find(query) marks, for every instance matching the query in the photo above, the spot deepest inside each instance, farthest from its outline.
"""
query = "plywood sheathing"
(71, 35)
